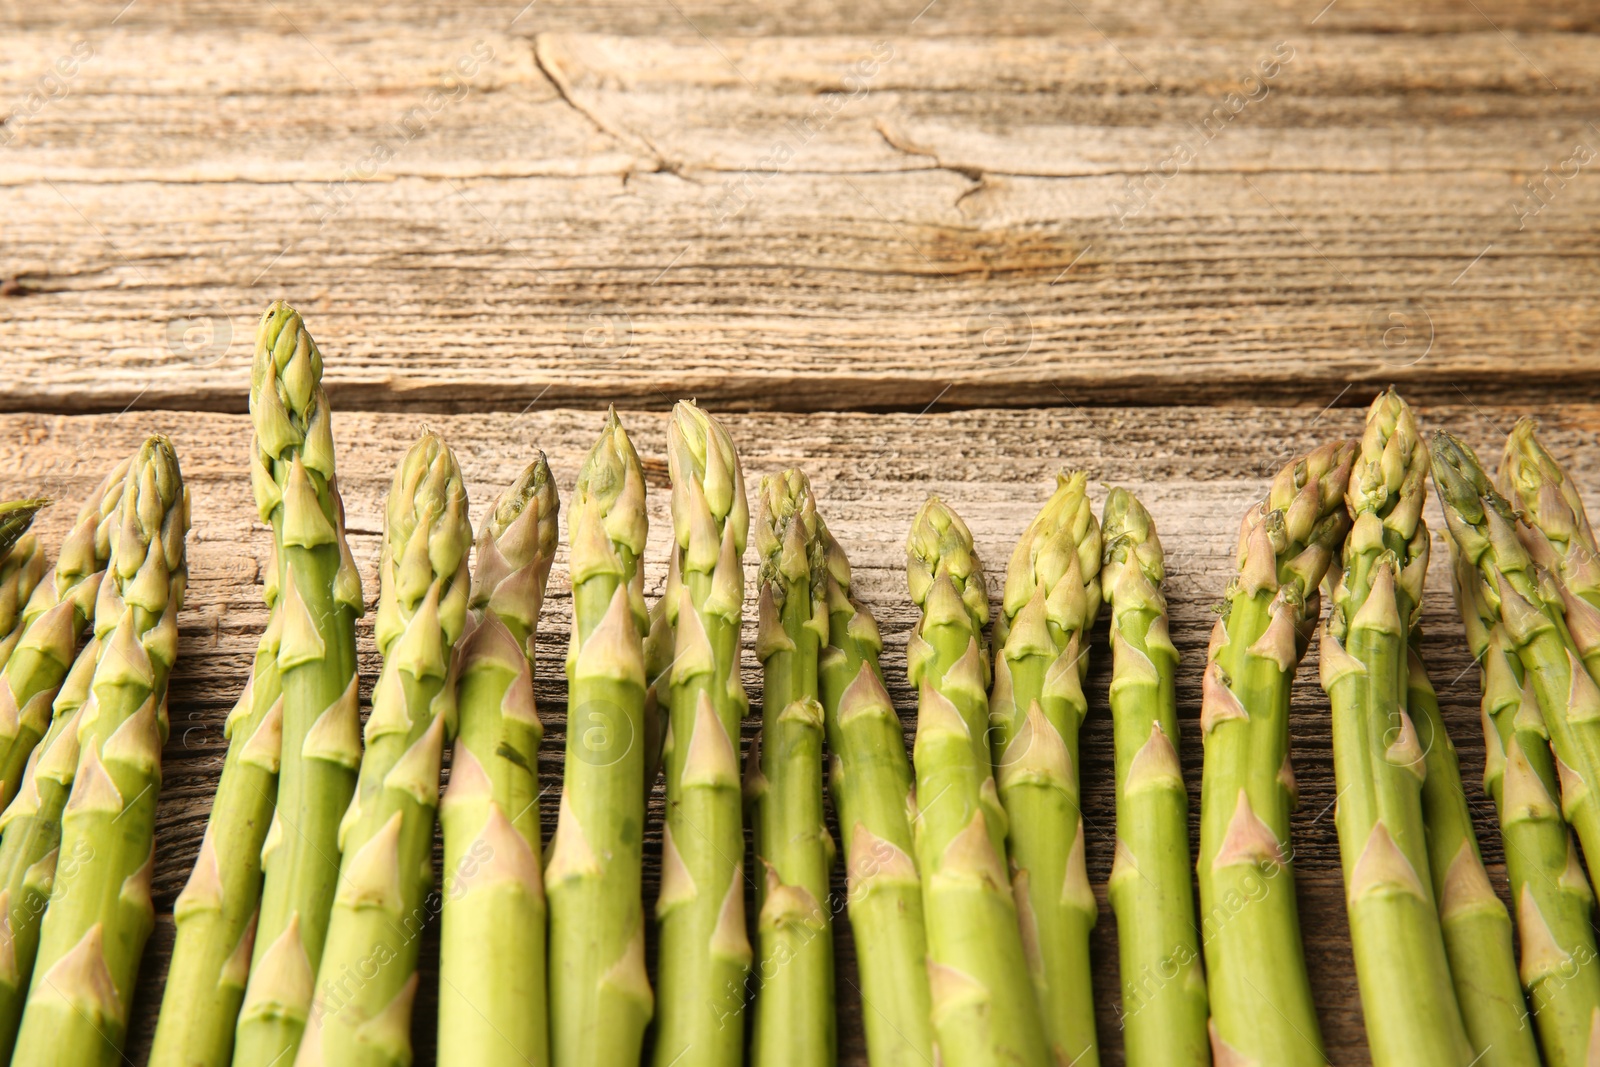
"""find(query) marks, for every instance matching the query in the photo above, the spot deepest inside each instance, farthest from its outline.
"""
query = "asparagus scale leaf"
(22, 568)
(297, 492)
(492, 936)
(1261, 1008)
(15, 518)
(600, 996)
(1052, 595)
(1163, 981)
(794, 1018)
(100, 912)
(984, 1007)
(704, 948)
(361, 1009)
(1407, 1000)
(870, 778)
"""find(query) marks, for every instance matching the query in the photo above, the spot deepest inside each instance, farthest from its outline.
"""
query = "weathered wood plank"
(768, 223)
(1196, 468)
(1225, 18)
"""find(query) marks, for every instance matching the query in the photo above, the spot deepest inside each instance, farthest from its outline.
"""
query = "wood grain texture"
(1196, 469)
(874, 218)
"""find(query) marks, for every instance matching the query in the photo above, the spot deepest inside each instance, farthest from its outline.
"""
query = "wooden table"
(915, 247)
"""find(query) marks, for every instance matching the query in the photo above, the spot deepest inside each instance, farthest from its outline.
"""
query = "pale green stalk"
(794, 1019)
(600, 997)
(361, 1008)
(1164, 1007)
(217, 910)
(100, 912)
(492, 938)
(1052, 596)
(1261, 1008)
(54, 621)
(30, 848)
(871, 781)
(1407, 999)
(1559, 967)
(985, 1011)
(296, 491)
(1476, 925)
(704, 948)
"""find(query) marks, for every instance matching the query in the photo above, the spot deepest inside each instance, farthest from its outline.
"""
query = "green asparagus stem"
(1556, 528)
(216, 912)
(15, 518)
(492, 942)
(100, 912)
(361, 1010)
(1527, 599)
(705, 951)
(600, 995)
(57, 614)
(871, 782)
(984, 1007)
(1560, 968)
(1052, 596)
(21, 569)
(1406, 995)
(794, 1020)
(1152, 889)
(1261, 1009)
(292, 473)
(30, 848)
(1476, 925)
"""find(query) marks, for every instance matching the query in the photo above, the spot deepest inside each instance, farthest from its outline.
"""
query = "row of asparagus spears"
(299, 931)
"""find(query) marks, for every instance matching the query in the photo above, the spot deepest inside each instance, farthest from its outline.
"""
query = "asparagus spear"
(1560, 967)
(984, 1008)
(1475, 924)
(1261, 1008)
(1406, 996)
(15, 518)
(216, 912)
(30, 848)
(100, 912)
(21, 569)
(492, 942)
(704, 949)
(1152, 890)
(871, 782)
(1527, 600)
(292, 473)
(601, 1000)
(58, 613)
(794, 1021)
(1052, 595)
(361, 1009)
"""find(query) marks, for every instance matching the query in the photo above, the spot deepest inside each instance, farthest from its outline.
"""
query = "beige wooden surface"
(813, 211)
